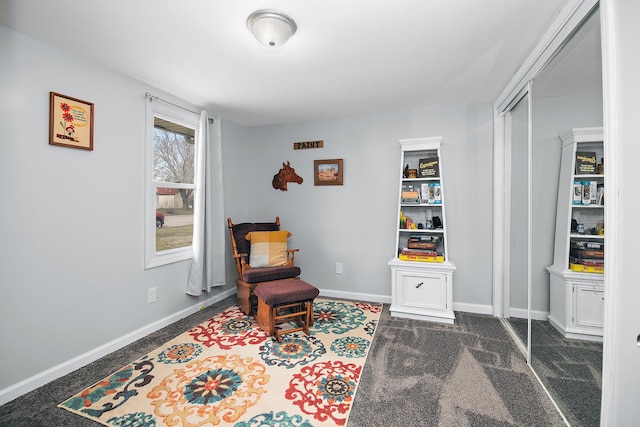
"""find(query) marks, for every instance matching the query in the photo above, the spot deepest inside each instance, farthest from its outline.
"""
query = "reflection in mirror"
(515, 309)
(567, 94)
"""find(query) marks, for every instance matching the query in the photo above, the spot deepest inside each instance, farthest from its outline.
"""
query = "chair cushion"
(285, 291)
(241, 230)
(268, 248)
(266, 274)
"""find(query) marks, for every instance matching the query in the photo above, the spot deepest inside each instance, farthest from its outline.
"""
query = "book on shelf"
(420, 258)
(437, 196)
(600, 195)
(422, 238)
(423, 255)
(421, 245)
(586, 163)
(429, 167)
(587, 261)
(593, 192)
(588, 193)
(586, 244)
(427, 194)
(587, 253)
(577, 192)
(431, 193)
(582, 268)
(421, 252)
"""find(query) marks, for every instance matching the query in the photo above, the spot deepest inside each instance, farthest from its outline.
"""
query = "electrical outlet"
(338, 268)
(151, 295)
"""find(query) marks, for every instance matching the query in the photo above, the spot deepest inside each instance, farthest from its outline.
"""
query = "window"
(170, 189)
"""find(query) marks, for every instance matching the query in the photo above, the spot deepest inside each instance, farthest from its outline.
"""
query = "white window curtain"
(207, 268)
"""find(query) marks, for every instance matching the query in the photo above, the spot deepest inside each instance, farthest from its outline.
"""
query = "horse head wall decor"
(284, 175)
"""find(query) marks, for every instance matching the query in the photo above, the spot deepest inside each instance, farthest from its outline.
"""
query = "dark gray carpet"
(417, 374)
(570, 369)
(430, 374)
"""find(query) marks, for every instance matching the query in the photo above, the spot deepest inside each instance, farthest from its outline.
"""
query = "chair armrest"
(291, 255)
(241, 260)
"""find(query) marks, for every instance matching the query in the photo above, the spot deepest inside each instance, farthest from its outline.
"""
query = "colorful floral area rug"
(227, 371)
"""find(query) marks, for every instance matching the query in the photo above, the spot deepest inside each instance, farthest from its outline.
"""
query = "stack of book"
(588, 193)
(586, 256)
(417, 241)
(421, 248)
(431, 193)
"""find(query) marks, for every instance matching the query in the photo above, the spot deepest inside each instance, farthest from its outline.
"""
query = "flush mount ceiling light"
(270, 27)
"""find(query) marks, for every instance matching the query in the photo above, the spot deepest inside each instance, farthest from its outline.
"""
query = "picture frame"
(70, 122)
(328, 172)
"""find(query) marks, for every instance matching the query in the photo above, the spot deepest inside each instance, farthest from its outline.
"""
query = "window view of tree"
(173, 158)
(173, 162)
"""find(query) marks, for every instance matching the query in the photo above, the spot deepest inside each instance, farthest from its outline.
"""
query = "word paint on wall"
(308, 144)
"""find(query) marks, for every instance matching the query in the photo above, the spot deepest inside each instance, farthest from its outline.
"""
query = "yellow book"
(420, 258)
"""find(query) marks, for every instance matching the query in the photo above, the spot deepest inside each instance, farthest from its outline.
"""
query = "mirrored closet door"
(563, 96)
(566, 98)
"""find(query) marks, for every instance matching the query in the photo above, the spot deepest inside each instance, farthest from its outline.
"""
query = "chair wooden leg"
(273, 330)
(307, 312)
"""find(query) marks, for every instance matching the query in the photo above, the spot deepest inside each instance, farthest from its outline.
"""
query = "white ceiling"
(348, 57)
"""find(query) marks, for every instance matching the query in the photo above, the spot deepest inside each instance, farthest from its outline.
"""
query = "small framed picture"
(328, 172)
(70, 122)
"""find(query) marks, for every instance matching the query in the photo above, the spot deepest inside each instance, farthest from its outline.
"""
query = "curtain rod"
(152, 97)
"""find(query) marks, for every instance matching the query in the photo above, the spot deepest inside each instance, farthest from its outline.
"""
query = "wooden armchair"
(248, 277)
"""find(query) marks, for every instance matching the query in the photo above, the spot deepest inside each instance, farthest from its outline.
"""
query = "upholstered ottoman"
(285, 300)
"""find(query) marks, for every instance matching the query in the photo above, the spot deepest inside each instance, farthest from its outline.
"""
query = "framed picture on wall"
(70, 122)
(328, 172)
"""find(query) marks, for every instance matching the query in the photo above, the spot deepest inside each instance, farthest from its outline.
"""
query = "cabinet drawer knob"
(419, 284)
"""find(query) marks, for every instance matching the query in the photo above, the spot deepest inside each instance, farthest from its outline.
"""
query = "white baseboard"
(356, 296)
(521, 313)
(386, 299)
(473, 308)
(25, 386)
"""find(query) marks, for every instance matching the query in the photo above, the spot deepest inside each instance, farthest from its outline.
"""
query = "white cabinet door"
(423, 291)
(589, 306)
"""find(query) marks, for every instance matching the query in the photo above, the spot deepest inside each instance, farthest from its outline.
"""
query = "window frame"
(156, 108)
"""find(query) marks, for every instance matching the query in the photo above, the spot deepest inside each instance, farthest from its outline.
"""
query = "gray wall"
(354, 224)
(71, 221)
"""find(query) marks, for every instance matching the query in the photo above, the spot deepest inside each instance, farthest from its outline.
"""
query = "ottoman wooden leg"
(265, 317)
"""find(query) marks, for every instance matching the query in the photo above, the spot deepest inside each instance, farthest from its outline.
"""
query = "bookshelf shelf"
(404, 230)
(419, 179)
(421, 271)
(585, 236)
